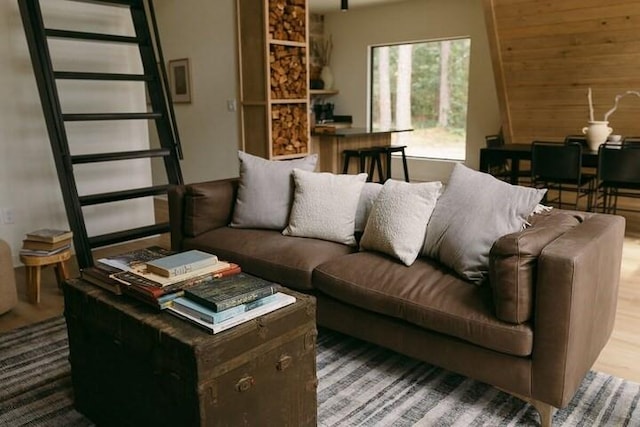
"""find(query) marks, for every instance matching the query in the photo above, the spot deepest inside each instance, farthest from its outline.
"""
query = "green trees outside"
(423, 86)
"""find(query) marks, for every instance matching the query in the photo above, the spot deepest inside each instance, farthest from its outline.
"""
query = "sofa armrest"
(575, 307)
(197, 208)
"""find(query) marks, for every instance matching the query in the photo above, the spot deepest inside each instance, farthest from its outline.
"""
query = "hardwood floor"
(620, 356)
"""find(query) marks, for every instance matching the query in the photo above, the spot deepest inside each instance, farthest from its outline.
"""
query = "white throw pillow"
(475, 210)
(398, 220)
(265, 191)
(368, 195)
(324, 206)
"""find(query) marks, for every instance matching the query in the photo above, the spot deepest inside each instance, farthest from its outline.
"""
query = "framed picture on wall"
(180, 80)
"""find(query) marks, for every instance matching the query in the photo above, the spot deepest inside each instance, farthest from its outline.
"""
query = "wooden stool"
(394, 149)
(372, 153)
(33, 265)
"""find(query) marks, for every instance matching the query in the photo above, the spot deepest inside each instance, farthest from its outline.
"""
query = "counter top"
(347, 132)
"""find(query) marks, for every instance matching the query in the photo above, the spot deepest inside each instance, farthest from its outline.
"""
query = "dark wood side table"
(132, 365)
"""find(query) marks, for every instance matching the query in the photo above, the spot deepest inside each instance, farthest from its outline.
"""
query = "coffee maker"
(323, 112)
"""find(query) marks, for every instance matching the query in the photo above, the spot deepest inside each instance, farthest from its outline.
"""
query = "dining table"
(517, 152)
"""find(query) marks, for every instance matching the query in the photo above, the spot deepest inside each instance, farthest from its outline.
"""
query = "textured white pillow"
(368, 195)
(265, 191)
(398, 220)
(474, 211)
(324, 206)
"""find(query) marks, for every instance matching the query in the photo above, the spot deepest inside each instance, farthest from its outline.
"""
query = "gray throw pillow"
(398, 220)
(265, 191)
(473, 212)
(324, 206)
(365, 203)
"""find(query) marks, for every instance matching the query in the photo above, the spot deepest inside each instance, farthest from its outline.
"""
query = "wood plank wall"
(546, 54)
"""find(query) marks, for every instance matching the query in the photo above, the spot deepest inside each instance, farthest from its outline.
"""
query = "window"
(423, 86)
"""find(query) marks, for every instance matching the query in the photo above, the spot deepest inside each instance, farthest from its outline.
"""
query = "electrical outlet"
(231, 105)
(8, 215)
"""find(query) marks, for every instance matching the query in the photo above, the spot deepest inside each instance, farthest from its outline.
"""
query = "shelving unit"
(323, 92)
(274, 94)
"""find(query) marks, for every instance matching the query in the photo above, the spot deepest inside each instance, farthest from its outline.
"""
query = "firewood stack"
(288, 72)
(289, 129)
(287, 20)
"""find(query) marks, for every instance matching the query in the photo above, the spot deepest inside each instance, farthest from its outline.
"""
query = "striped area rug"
(359, 385)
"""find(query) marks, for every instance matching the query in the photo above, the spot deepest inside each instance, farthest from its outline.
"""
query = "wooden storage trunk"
(134, 366)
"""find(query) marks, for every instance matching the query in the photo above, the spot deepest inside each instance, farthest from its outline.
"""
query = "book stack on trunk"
(156, 276)
(228, 301)
(46, 242)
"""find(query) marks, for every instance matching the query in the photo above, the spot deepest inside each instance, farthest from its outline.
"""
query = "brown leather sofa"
(534, 332)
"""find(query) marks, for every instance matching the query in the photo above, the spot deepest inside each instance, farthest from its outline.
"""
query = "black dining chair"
(558, 167)
(618, 175)
(502, 171)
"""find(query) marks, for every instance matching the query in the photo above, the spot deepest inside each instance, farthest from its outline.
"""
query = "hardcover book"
(228, 292)
(49, 235)
(37, 245)
(152, 279)
(280, 300)
(185, 305)
(99, 277)
(181, 263)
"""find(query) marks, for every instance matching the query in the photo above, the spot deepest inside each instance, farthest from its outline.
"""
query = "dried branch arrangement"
(321, 49)
(615, 105)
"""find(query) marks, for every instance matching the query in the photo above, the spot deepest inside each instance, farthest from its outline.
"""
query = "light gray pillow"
(398, 220)
(324, 206)
(368, 195)
(265, 191)
(475, 210)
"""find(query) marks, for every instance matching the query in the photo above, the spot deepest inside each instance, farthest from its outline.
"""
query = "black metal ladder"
(161, 112)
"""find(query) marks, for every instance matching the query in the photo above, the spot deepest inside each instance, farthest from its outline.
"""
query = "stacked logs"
(288, 72)
(289, 129)
(287, 20)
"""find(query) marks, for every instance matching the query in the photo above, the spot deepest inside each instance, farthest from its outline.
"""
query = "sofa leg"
(545, 410)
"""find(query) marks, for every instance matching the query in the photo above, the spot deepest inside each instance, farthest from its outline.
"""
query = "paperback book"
(281, 300)
(32, 252)
(136, 259)
(181, 263)
(228, 292)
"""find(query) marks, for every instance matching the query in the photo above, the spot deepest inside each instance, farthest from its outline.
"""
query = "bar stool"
(388, 150)
(362, 154)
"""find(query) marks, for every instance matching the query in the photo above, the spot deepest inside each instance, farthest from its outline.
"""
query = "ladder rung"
(116, 196)
(109, 116)
(81, 35)
(121, 155)
(73, 75)
(123, 236)
(112, 2)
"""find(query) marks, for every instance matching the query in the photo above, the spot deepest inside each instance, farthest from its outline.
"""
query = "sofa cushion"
(265, 191)
(474, 210)
(398, 221)
(324, 206)
(424, 294)
(514, 259)
(268, 254)
(208, 205)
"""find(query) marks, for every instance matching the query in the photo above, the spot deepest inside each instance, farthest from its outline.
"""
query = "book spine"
(235, 300)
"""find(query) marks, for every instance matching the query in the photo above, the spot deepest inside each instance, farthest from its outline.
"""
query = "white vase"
(597, 133)
(327, 77)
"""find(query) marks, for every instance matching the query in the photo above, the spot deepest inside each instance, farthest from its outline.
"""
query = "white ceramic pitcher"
(597, 133)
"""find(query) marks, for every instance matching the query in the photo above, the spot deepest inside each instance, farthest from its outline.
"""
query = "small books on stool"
(46, 242)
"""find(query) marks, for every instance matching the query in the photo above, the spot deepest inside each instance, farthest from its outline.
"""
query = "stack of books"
(228, 301)
(46, 242)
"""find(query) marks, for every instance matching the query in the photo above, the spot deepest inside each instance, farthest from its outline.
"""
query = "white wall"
(29, 181)
(354, 31)
(205, 32)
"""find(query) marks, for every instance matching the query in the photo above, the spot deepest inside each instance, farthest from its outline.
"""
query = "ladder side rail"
(165, 78)
(43, 70)
(155, 91)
